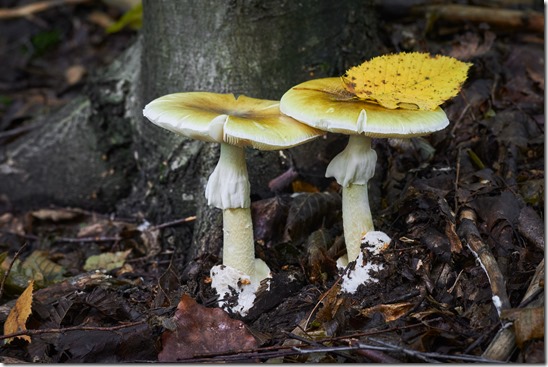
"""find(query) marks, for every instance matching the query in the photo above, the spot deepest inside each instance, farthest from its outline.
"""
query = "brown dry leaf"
(330, 305)
(19, 314)
(11, 223)
(101, 19)
(303, 186)
(470, 45)
(390, 312)
(269, 217)
(74, 74)
(55, 215)
(319, 263)
(528, 323)
(201, 330)
(310, 211)
(93, 229)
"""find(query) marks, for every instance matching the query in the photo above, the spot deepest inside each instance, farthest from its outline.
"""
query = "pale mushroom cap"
(327, 105)
(223, 118)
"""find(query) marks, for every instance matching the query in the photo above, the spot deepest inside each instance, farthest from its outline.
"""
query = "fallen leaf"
(303, 186)
(269, 217)
(311, 211)
(201, 330)
(19, 314)
(107, 261)
(528, 323)
(390, 312)
(470, 45)
(411, 80)
(55, 215)
(319, 264)
(38, 267)
(74, 74)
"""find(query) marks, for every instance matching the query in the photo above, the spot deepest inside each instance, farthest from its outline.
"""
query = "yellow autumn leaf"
(412, 80)
(19, 314)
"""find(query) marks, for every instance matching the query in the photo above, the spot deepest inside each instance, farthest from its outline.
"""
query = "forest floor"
(462, 279)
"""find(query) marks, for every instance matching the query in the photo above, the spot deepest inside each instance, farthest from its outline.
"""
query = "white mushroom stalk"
(353, 168)
(228, 189)
(235, 123)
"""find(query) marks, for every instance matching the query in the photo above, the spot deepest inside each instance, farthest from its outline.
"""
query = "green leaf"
(133, 19)
(41, 269)
(107, 261)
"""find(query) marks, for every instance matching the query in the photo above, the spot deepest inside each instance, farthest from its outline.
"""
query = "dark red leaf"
(202, 330)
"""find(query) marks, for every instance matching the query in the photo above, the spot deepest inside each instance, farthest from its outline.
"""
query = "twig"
(33, 332)
(469, 231)
(86, 239)
(377, 356)
(174, 222)
(65, 239)
(313, 343)
(25, 236)
(9, 268)
(18, 130)
(457, 179)
(503, 18)
(410, 352)
(30, 9)
(99, 238)
(428, 356)
(265, 353)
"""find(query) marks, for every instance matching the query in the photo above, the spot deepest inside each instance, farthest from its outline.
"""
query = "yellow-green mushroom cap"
(223, 118)
(326, 104)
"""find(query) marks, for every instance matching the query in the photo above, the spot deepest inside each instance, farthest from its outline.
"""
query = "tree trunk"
(107, 157)
(257, 48)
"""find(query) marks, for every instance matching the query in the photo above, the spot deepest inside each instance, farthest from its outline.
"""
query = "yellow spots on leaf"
(407, 80)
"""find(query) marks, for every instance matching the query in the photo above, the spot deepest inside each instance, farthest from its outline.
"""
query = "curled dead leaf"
(19, 314)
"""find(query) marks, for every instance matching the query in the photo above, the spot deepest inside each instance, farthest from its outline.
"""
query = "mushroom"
(235, 123)
(395, 95)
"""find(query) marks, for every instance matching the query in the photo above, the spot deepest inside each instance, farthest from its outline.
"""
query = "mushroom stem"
(352, 168)
(238, 248)
(357, 220)
(228, 189)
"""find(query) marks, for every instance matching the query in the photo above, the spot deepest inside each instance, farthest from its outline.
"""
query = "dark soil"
(463, 278)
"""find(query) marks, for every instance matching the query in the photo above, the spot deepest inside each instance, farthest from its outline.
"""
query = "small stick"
(429, 356)
(32, 332)
(469, 231)
(30, 9)
(503, 18)
(174, 222)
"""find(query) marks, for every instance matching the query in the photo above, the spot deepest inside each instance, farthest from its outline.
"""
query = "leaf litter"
(435, 299)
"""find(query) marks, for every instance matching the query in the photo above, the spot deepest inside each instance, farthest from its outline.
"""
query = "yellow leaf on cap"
(407, 80)
(19, 314)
